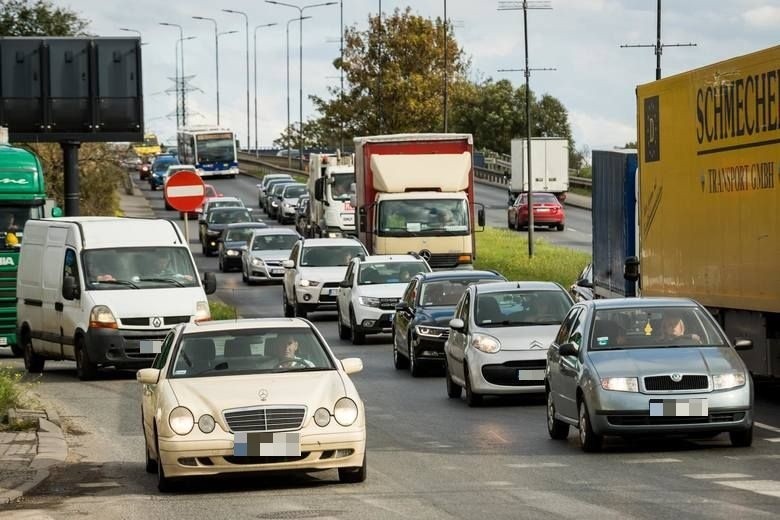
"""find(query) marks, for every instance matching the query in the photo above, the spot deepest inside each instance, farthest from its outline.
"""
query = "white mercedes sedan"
(251, 396)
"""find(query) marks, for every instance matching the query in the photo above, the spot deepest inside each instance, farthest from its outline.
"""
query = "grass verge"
(507, 252)
(14, 393)
(222, 311)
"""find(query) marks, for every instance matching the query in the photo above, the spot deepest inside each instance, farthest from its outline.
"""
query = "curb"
(52, 451)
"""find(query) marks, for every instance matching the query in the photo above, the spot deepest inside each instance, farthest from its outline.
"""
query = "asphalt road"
(429, 457)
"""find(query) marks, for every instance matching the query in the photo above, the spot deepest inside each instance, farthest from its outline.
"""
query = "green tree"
(39, 18)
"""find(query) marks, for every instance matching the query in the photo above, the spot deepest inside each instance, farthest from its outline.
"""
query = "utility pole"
(445, 65)
(381, 111)
(658, 46)
(341, 46)
(525, 5)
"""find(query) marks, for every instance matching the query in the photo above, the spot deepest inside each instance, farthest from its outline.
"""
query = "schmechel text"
(741, 177)
(744, 106)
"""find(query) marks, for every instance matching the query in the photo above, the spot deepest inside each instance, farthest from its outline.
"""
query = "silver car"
(262, 259)
(641, 366)
(499, 336)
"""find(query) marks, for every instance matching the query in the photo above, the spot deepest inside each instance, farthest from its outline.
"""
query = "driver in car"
(286, 353)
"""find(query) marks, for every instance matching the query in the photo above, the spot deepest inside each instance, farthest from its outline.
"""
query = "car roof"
(645, 302)
(502, 286)
(459, 274)
(258, 225)
(324, 242)
(220, 199)
(275, 231)
(375, 259)
(244, 324)
(229, 208)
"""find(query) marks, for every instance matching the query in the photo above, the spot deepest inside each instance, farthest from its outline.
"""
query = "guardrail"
(265, 162)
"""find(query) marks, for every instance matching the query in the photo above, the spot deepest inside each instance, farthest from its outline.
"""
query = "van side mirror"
(209, 283)
(70, 289)
(743, 344)
(568, 350)
(457, 324)
(345, 284)
(288, 264)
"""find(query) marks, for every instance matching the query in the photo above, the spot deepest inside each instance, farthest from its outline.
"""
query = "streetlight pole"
(445, 66)
(246, 21)
(216, 46)
(341, 46)
(300, 9)
(257, 149)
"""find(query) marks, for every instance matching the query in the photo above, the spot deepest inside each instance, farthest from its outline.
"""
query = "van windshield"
(139, 268)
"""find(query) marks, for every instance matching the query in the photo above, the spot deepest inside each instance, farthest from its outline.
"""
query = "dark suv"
(217, 220)
(158, 169)
(421, 321)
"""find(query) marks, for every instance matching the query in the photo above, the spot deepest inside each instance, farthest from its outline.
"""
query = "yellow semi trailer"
(708, 207)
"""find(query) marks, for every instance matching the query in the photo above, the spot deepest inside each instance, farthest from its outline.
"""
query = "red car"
(210, 192)
(548, 211)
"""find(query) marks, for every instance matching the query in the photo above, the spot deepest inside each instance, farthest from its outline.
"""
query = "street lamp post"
(246, 21)
(300, 9)
(445, 66)
(289, 137)
(257, 149)
(217, 34)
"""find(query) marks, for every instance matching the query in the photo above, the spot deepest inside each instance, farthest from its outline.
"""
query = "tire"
(164, 484)
(453, 389)
(32, 361)
(17, 350)
(354, 475)
(344, 331)
(151, 464)
(558, 430)
(299, 310)
(86, 369)
(589, 440)
(399, 362)
(357, 335)
(244, 277)
(414, 366)
(289, 311)
(559, 227)
(472, 399)
(742, 438)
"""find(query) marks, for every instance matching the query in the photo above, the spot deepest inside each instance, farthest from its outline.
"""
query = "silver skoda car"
(499, 336)
(266, 249)
(640, 366)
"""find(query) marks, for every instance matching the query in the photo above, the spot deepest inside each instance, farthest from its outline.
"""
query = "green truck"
(22, 197)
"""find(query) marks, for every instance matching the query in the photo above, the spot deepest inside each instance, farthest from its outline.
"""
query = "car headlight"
(287, 205)
(724, 381)
(233, 252)
(181, 420)
(485, 343)
(206, 423)
(433, 332)
(345, 412)
(369, 301)
(620, 384)
(274, 204)
(309, 283)
(202, 312)
(257, 262)
(101, 317)
(322, 417)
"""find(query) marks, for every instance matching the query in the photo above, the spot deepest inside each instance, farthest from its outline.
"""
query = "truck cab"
(331, 214)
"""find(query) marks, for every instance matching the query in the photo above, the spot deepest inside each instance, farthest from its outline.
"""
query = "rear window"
(390, 272)
(521, 308)
(447, 293)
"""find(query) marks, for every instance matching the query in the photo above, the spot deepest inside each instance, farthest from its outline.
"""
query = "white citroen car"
(251, 396)
(314, 271)
(369, 292)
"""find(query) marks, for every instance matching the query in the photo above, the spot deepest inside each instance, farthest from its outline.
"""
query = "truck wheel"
(33, 363)
(86, 369)
(17, 350)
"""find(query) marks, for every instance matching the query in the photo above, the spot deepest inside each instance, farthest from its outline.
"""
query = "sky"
(594, 78)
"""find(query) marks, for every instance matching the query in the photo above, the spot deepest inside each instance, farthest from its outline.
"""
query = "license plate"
(530, 375)
(679, 408)
(151, 346)
(541, 210)
(332, 292)
(349, 218)
(264, 444)
(277, 271)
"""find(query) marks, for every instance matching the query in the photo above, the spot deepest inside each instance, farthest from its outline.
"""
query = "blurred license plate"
(277, 271)
(151, 346)
(679, 408)
(530, 375)
(264, 444)
(542, 210)
(349, 218)
(332, 292)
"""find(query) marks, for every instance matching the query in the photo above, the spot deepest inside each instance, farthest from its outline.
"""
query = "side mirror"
(352, 365)
(743, 344)
(319, 189)
(584, 283)
(402, 306)
(631, 269)
(457, 324)
(56, 212)
(70, 290)
(288, 264)
(568, 350)
(148, 376)
(481, 217)
(209, 283)
(345, 284)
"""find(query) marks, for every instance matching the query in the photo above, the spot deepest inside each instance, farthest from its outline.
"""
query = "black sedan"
(233, 243)
(421, 321)
(218, 219)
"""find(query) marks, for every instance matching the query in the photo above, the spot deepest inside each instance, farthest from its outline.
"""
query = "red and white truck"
(415, 193)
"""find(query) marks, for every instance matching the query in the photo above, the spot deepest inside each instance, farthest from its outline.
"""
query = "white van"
(104, 291)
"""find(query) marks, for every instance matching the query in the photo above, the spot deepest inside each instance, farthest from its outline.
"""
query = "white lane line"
(652, 461)
(751, 457)
(539, 465)
(572, 229)
(762, 487)
(766, 427)
(498, 483)
(717, 476)
(776, 439)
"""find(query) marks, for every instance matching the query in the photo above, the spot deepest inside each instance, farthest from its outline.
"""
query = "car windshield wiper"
(164, 280)
(217, 368)
(126, 283)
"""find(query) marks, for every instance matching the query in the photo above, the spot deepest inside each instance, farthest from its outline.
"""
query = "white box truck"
(549, 167)
(331, 214)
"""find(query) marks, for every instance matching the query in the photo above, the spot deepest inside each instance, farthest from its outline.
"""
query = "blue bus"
(211, 150)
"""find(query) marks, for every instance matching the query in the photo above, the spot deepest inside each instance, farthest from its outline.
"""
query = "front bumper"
(265, 272)
(319, 451)
(507, 371)
(626, 413)
(121, 348)
(319, 296)
(231, 261)
(211, 244)
(375, 320)
(427, 349)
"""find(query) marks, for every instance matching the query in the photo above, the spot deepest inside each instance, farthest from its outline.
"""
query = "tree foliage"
(39, 18)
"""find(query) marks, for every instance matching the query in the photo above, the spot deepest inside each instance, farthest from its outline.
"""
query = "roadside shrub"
(222, 311)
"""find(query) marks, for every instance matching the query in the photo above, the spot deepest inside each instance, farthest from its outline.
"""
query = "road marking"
(498, 483)
(572, 229)
(776, 439)
(751, 457)
(539, 465)
(716, 476)
(766, 427)
(98, 484)
(652, 461)
(497, 436)
(762, 487)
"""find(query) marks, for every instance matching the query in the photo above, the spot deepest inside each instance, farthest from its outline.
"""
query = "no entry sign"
(185, 191)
